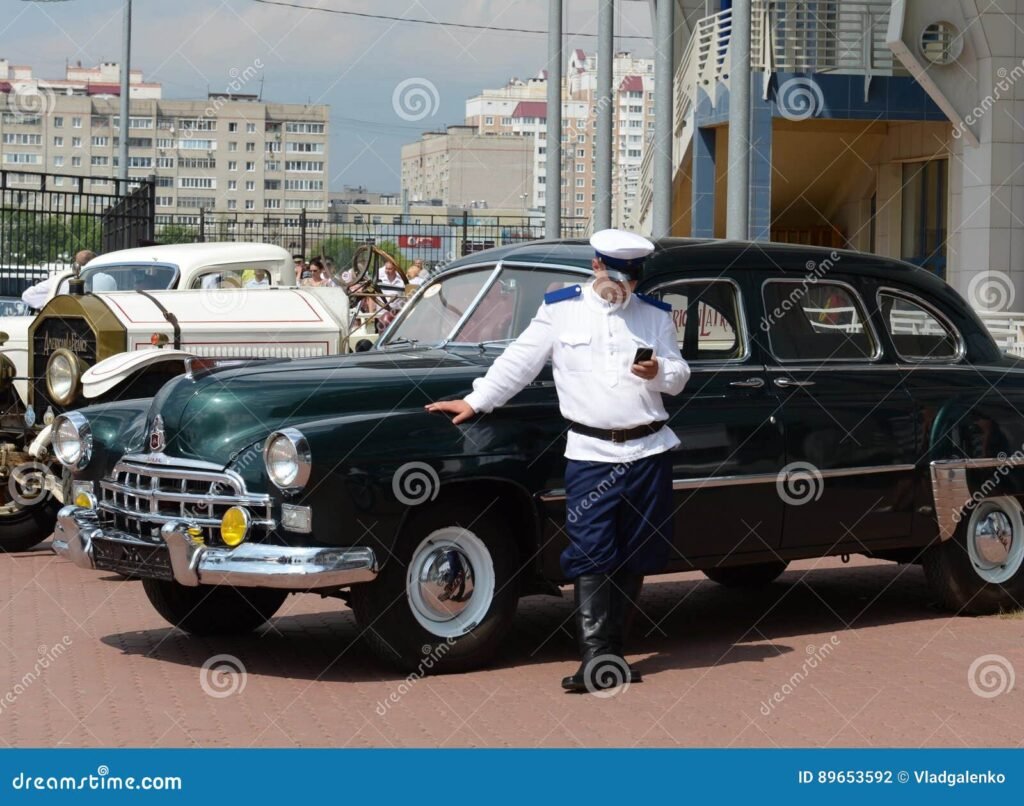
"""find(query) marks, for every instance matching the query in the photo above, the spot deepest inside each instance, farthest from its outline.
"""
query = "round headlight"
(63, 371)
(286, 455)
(72, 440)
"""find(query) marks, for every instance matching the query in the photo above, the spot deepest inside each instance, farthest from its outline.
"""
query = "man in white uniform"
(614, 354)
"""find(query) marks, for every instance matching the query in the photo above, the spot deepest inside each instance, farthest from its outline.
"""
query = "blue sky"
(353, 64)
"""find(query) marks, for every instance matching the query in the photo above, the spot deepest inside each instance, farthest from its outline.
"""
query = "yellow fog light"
(234, 526)
(85, 500)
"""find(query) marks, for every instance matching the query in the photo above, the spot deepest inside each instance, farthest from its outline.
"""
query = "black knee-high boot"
(593, 594)
(626, 587)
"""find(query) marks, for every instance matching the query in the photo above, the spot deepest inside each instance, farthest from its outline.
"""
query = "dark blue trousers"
(618, 516)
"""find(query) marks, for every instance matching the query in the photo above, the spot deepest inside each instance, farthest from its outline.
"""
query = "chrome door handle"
(786, 383)
(749, 383)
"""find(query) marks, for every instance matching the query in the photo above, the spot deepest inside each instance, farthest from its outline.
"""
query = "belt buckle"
(618, 436)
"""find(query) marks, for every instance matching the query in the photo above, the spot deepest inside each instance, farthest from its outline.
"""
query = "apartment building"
(229, 152)
(520, 108)
(463, 167)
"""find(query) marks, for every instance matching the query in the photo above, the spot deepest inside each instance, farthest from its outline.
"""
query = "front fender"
(117, 428)
(108, 373)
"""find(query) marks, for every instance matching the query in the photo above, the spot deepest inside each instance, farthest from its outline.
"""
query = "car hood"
(216, 415)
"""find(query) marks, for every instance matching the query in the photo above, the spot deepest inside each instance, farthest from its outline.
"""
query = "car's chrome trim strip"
(559, 494)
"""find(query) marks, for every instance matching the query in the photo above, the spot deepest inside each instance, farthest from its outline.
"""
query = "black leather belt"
(618, 435)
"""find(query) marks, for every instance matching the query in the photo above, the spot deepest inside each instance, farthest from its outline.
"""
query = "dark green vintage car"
(839, 403)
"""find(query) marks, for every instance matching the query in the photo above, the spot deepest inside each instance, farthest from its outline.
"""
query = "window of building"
(250, 166)
(76, 162)
(22, 158)
(250, 204)
(232, 126)
(925, 189)
(305, 148)
(76, 123)
(197, 182)
(76, 142)
(165, 181)
(58, 142)
(250, 128)
(579, 212)
(58, 162)
(164, 201)
(20, 139)
(488, 121)
(250, 186)
(232, 165)
(295, 127)
(232, 184)
(250, 147)
(165, 162)
(232, 204)
(96, 161)
(232, 146)
(58, 122)
(273, 204)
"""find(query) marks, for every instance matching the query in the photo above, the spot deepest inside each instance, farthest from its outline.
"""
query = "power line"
(442, 23)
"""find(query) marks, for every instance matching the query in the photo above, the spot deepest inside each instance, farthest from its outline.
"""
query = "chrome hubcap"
(993, 538)
(445, 582)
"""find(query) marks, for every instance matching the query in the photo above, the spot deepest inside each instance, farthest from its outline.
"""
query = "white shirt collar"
(600, 304)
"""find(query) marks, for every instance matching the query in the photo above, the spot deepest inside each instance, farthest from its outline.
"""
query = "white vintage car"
(126, 332)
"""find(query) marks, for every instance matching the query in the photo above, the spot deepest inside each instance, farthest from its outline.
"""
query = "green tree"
(176, 233)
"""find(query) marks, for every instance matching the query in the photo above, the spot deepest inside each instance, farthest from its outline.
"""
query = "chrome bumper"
(250, 565)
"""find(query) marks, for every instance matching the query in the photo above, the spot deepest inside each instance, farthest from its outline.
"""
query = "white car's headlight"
(63, 372)
(286, 455)
(72, 440)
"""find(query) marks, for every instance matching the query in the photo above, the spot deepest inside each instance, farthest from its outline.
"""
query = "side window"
(816, 322)
(917, 333)
(233, 277)
(707, 319)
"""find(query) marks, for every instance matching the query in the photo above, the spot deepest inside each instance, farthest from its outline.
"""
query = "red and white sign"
(419, 241)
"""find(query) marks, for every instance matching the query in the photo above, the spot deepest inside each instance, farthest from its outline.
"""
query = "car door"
(731, 449)
(847, 417)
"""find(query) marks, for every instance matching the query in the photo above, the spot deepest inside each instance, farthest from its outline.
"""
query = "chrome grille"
(141, 496)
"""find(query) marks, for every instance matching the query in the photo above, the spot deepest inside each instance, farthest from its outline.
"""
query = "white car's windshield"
(129, 277)
(500, 315)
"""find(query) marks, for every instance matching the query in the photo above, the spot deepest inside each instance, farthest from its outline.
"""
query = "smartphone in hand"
(643, 354)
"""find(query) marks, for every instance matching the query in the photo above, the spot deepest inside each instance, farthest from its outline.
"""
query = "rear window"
(917, 333)
(817, 321)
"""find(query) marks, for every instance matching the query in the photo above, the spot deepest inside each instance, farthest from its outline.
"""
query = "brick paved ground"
(896, 672)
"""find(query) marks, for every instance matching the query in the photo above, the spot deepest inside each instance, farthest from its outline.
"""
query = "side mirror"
(363, 345)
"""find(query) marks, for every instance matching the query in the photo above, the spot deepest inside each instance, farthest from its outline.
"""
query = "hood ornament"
(156, 435)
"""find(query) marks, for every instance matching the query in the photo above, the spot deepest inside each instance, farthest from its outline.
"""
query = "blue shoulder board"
(657, 303)
(562, 294)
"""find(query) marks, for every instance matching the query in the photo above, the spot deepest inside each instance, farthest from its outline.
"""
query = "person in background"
(302, 272)
(260, 280)
(316, 272)
(415, 273)
(36, 296)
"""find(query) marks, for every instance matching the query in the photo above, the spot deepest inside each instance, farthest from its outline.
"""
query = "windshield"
(501, 315)
(11, 306)
(133, 277)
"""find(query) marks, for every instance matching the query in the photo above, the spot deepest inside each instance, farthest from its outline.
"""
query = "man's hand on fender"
(460, 408)
(648, 370)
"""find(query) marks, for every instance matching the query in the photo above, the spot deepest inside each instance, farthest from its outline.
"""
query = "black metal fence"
(434, 239)
(46, 218)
